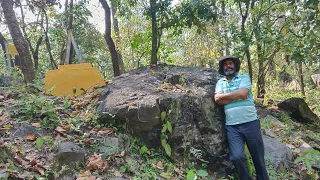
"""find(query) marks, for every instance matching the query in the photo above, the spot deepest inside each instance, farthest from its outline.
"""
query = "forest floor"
(74, 118)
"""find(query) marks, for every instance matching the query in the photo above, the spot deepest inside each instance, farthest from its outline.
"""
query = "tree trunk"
(118, 41)
(70, 29)
(109, 40)
(35, 52)
(47, 40)
(154, 42)
(300, 74)
(3, 44)
(261, 69)
(18, 40)
(245, 39)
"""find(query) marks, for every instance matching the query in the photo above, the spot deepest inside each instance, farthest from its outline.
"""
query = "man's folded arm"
(242, 93)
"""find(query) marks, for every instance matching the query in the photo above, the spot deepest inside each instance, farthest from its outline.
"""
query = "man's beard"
(229, 72)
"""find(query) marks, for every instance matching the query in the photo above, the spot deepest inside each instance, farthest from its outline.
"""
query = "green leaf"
(163, 143)
(82, 89)
(308, 163)
(163, 115)
(168, 150)
(39, 142)
(191, 176)
(74, 90)
(105, 155)
(143, 149)
(164, 128)
(202, 173)
(165, 175)
(169, 126)
(284, 31)
(122, 169)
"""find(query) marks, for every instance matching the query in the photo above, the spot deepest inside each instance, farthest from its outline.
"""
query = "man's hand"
(219, 99)
(240, 94)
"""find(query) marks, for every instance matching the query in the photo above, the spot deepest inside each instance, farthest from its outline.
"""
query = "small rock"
(299, 110)
(24, 129)
(270, 133)
(316, 79)
(279, 155)
(69, 154)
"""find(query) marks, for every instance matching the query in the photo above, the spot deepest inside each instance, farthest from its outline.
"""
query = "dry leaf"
(60, 129)
(85, 176)
(38, 170)
(67, 128)
(148, 152)
(131, 104)
(19, 153)
(37, 125)
(95, 95)
(105, 130)
(117, 173)
(95, 162)
(18, 159)
(87, 142)
(2, 118)
(30, 136)
(159, 165)
(33, 162)
(123, 153)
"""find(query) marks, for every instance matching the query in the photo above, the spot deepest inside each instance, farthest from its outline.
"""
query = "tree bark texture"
(35, 52)
(109, 40)
(18, 40)
(118, 41)
(3, 44)
(47, 40)
(154, 42)
(300, 74)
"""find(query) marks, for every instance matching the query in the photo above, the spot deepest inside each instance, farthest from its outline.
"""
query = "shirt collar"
(235, 77)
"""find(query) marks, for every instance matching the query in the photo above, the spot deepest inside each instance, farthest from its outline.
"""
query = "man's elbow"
(244, 94)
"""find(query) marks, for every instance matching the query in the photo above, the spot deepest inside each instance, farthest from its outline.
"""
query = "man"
(242, 124)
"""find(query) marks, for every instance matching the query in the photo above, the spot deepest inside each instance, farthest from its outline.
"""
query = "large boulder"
(185, 94)
(299, 110)
(279, 155)
(316, 79)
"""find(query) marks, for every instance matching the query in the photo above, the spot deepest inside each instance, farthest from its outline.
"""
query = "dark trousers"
(250, 134)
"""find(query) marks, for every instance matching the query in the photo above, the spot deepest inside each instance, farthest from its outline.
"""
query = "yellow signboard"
(12, 50)
(66, 78)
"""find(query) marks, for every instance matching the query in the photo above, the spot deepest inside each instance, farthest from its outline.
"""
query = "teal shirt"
(239, 111)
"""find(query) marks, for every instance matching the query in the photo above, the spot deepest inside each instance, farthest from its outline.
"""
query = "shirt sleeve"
(245, 82)
(218, 87)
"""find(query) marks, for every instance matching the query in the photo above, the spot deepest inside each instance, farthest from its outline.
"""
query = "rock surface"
(299, 110)
(279, 155)
(185, 94)
(69, 154)
(316, 79)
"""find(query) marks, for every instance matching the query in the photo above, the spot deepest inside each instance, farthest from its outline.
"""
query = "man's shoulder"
(243, 76)
(221, 80)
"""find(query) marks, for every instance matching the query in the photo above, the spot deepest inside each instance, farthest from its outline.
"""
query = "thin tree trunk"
(18, 40)
(244, 36)
(47, 40)
(70, 29)
(261, 69)
(154, 42)
(35, 52)
(300, 74)
(118, 39)
(3, 44)
(109, 40)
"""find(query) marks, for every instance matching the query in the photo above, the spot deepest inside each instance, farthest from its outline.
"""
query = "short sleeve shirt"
(239, 111)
